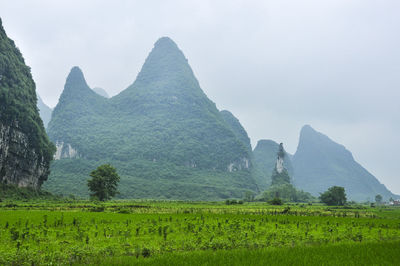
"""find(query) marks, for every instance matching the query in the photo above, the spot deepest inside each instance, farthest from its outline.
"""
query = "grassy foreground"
(345, 254)
(171, 233)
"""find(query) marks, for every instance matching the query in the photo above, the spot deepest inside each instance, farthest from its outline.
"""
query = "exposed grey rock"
(265, 160)
(65, 151)
(19, 163)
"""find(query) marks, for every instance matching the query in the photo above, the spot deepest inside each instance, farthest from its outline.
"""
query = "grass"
(73, 232)
(344, 254)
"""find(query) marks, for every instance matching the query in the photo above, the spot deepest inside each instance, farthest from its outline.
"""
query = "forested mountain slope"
(166, 138)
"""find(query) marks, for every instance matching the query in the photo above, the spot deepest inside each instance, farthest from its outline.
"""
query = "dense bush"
(334, 196)
(275, 201)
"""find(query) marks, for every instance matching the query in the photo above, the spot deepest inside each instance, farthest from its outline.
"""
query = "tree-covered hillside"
(162, 133)
(320, 163)
(237, 128)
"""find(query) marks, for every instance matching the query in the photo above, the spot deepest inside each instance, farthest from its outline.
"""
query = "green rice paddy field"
(191, 233)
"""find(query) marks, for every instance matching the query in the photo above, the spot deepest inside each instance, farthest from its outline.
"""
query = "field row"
(78, 235)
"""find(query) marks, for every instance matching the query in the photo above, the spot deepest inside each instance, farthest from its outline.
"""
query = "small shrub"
(232, 202)
(146, 252)
(98, 209)
(286, 210)
(124, 211)
(276, 201)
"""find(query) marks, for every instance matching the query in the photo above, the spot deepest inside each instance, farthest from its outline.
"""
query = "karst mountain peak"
(162, 121)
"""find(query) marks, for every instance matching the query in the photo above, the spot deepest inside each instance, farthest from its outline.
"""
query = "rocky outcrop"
(19, 163)
(265, 162)
(280, 174)
(240, 164)
(65, 151)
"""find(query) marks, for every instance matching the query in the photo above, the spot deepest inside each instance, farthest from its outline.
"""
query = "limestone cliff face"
(65, 151)
(25, 150)
(19, 163)
(240, 164)
(266, 162)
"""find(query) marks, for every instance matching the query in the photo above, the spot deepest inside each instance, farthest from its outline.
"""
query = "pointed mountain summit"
(320, 163)
(25, 150)
(76, 79)
(76, 87)
(165, 82)
(265, 156)
(165, 61)
(166, 136)
(78, 108)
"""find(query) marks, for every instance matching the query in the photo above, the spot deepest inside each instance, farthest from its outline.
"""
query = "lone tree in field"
(378, 199)
(104, 182)
(334, 196)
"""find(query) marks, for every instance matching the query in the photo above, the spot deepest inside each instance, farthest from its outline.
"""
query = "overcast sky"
(276, 65)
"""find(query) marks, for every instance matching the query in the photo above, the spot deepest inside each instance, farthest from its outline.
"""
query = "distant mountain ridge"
(101, 92)
(167, 139)
(320, 163)
(44, 111)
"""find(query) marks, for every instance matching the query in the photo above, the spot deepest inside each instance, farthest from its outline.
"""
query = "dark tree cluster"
(334, 196)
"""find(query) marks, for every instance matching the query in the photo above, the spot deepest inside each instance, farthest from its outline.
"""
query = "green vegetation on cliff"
(18, 97)
(236, 128)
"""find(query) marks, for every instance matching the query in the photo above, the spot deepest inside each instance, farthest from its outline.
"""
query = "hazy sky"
(276, 65)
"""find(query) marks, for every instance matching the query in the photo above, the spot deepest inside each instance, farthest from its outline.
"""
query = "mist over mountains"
(165, 136)
(169, 140)
(162, 133)
(44, 111)
(320, 163)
